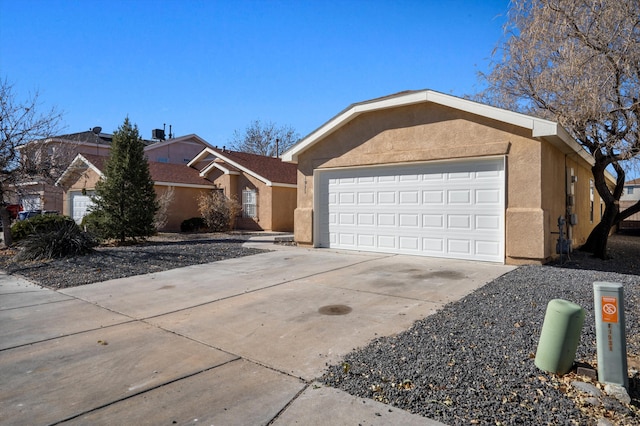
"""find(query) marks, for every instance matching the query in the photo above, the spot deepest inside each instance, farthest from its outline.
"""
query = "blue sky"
(212, 67)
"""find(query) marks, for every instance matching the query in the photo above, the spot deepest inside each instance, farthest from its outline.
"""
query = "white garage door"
(80, 205)
(452, 209)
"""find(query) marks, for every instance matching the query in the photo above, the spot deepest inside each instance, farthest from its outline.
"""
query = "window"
(629, 190)
(249, 203)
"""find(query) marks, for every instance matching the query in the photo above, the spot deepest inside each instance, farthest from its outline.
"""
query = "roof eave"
(79, 159)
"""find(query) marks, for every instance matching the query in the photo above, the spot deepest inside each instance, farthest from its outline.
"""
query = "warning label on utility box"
(609, 309)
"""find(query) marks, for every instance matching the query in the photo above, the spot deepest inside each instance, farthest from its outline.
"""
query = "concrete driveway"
(233, 342)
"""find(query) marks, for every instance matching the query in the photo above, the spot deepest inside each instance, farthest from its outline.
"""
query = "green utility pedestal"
(610, 333)
(560, 336)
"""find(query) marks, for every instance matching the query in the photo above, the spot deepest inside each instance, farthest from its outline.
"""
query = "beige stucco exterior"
(535, 169)
(183, 206)
(176, 151)
(275, 204)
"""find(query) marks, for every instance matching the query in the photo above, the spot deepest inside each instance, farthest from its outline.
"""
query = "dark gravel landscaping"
(470, 363)
(106, 263)
(473, 362)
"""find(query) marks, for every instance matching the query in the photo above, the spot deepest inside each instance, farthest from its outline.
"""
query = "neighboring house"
(178, 150)
(38, 194)
(630, 196)
(265, 186)
(79, 180)
(425, 173)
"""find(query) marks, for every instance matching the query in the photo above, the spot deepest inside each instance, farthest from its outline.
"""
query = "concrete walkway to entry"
(236, 342)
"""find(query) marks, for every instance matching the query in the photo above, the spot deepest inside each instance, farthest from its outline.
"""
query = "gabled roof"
(272, 171)
(166, 174)
(633, 182)
(540, 128)
(187, 138)
(86, 137)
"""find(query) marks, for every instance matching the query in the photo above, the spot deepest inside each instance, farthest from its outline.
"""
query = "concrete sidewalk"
(237, 342)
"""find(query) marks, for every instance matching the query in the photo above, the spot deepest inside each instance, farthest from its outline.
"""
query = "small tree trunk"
(6, 226)
(597, 240)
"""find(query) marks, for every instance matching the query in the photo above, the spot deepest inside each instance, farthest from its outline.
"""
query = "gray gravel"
(473, 362)
(108, 263)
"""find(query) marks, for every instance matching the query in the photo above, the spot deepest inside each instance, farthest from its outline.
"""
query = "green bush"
(61, 239)
(40, 223)
(95, 224)
(194, 224)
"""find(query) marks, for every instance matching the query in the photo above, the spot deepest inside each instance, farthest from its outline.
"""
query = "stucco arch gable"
(521, 124)
(420, 132)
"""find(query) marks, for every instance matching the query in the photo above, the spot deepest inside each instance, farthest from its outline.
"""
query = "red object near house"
(13, 210)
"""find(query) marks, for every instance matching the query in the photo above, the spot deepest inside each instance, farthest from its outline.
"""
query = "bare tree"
(20, 123)
(264, 139)
(577, 62)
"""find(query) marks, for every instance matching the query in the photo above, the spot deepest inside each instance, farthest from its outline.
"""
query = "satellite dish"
(97, 130)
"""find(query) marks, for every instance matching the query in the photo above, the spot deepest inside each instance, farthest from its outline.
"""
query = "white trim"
(79, 158)
(233, 163)
(193, 138)
(204, 172)
(540, 128)
(285, 185)
(184, 185)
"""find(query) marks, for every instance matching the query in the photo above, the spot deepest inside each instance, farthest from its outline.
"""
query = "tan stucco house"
(425, 173)
(265, 186)
(41, 195)
(79, 180)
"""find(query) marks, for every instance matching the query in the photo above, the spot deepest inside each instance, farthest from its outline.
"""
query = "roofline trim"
(284, 185)
(185, 138)
(540, 128)
(185, 185)
(78, 158)
(204, 172)
(233, 163)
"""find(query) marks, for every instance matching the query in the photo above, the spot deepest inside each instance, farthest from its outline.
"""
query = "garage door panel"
(445, 210)
(459, 197)
(433, 221)
(433, 246)
(409, 243)
(387, 242)
(433, 197)
(409, 220)
(487, 223)
(409, 198)
(487, 248)
(366, 198)
(459, 246)
(80, 206)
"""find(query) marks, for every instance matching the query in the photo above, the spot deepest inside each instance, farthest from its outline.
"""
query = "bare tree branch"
(576, 62)
(20, 123)
(264, 139)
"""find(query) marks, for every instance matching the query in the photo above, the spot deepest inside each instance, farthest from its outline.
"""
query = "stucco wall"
(184, 205)
(173, 152)
(284, 203)
(275, 204)
(429, 132)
